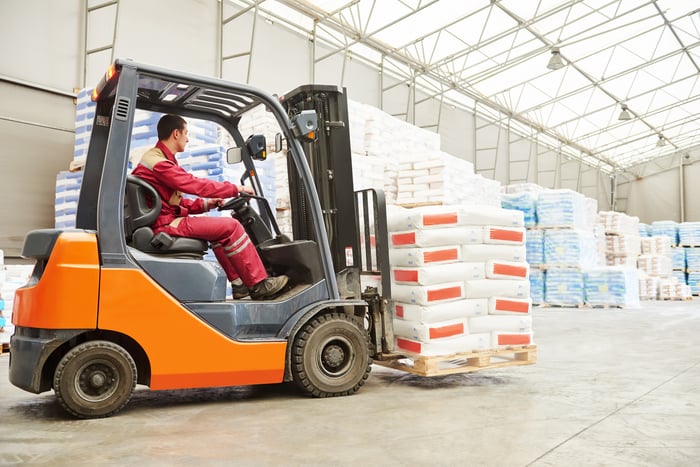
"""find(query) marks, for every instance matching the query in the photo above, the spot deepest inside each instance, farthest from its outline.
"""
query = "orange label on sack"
(399, 311)
(506, 235)
(407, 238)
(411, 346)
(440, 219)
(444, 294)
(405, 275)
(509, 270)
(447, 331)
(512, 305)
(449, 254)
(513, 339)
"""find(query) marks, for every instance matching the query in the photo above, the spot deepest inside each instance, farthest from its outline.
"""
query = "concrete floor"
(611, 387)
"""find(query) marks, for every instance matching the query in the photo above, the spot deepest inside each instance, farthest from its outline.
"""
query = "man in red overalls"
(229, 240)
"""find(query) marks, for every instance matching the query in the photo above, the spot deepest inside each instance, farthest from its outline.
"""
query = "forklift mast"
(330, 160)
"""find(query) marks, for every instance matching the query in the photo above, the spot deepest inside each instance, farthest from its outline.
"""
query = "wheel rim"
(336, 356)
(97, 380)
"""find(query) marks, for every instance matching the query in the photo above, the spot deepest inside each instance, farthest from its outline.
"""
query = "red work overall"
(229, 241)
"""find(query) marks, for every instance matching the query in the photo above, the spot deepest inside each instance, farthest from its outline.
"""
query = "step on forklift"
(110, 305)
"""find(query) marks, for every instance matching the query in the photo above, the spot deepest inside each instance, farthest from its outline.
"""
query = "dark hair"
(169, 123)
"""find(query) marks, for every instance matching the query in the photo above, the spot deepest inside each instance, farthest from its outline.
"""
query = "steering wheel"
(235, 203)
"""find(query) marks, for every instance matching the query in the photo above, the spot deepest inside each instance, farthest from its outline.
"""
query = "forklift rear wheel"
(330, 356)
(95, 379)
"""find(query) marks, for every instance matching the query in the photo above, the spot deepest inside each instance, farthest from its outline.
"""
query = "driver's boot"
(268, 288)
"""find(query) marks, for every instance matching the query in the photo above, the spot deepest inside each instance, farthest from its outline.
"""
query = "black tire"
(330, 356)
(95, 379)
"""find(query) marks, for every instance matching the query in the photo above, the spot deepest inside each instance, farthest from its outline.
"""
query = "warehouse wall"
(37, 111)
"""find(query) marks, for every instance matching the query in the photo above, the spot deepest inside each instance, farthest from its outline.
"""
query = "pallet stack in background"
(459, 279)
(689, 243)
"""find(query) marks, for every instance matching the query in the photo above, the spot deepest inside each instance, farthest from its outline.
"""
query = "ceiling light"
(555, 61)
(661, 142)
(625, 114)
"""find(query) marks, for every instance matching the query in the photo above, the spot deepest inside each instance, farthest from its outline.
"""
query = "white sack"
(437, 273)
(441, 312)
(500, 323)
(488, 252)
(428, 332)
(436, 237)
(486, 288)
(424, 256)
(428, 294)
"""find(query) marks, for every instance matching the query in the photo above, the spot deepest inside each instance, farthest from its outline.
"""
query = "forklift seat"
(138, 217)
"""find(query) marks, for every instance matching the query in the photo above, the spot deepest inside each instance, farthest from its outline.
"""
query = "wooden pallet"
(462, 362)
(5, 349)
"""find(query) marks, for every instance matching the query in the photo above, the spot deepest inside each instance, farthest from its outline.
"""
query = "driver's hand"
(215, 203)
(245, 189)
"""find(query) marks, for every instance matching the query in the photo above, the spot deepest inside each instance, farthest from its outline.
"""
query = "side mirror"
(234, 155)
(304, 125)
(278, 142)
(257, 147)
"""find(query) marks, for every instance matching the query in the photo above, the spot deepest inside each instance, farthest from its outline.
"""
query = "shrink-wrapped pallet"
(689, 233)
(570, 247)
(537, 286)
(655, 265)
(562, 208)
(656, 245)
(526, 202)
(678, 258)
(692, 258)
(665, 229)
(534, 243)
(464, 308)
(612, 286)
(564, 287)
(619, 223)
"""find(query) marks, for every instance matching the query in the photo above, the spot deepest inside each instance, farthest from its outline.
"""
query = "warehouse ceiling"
(493, 55)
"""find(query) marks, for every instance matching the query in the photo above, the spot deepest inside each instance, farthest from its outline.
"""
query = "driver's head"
(173, 129)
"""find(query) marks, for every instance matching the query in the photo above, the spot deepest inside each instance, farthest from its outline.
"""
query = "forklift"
(110, 305)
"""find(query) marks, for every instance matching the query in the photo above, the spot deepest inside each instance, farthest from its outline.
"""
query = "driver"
(229, 240)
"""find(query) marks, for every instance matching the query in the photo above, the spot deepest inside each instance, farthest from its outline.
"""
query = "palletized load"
(537, 286)
(570, 247)
(564, 287)
(534, 244)
(453, 263)
(667, 229)
(612, 286)
(562, 208)
(623, 245)
(656, 245)
(619, 223)
(689, 233)
(655, 265)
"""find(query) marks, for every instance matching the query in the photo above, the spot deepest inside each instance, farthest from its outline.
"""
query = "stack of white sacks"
(459, 279)
(571, 244)
(656, 266)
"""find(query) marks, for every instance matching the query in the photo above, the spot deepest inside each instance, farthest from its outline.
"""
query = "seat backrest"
(137, 212)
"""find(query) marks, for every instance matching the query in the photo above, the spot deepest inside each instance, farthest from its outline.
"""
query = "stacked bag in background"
(459, 279)
(689, 242)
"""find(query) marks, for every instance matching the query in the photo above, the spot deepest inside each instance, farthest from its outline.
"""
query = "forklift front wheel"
(330, 356)
(95, 379)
